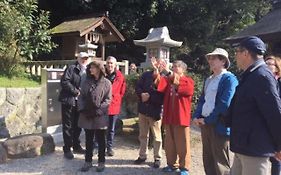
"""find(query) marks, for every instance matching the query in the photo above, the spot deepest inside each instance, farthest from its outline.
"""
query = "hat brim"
(226, 58)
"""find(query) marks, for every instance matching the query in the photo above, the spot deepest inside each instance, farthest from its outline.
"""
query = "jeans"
(275, 166)
(111, 131)
(100, 137)
(70, 129)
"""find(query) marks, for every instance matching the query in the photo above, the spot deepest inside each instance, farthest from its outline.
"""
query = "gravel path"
(126, 152)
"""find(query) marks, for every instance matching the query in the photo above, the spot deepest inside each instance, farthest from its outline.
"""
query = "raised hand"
(154, 63)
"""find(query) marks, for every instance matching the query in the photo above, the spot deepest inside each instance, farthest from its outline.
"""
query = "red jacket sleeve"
(186, 87)
(163, 83)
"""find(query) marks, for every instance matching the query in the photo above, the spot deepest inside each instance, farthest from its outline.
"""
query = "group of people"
(242, 116)
(91, 99)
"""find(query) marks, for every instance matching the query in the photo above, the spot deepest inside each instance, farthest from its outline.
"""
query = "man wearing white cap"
(216, 96)
(71, 82)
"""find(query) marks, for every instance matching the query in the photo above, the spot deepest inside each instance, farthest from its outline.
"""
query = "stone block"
(25, 146)
(3, 154)
(48, 143)
(15, 95)
(4, 132)
(7, 109)
(2, 95)
(28, 146)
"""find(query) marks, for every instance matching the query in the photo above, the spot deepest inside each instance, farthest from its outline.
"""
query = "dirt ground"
(126, 151)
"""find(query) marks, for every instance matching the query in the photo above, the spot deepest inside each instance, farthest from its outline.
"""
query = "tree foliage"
(24, 33)
(200, 24)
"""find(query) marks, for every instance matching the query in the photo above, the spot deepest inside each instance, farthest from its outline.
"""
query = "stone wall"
(20, 111)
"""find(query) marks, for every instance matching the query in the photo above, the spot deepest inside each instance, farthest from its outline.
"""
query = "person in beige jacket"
(93, 106)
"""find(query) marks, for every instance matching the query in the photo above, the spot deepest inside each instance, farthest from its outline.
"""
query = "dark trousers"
(275, 166)
(215, 151)
(100, 138)
(70, 129)
(111, 131)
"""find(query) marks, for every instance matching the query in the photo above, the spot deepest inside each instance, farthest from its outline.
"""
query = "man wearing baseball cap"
(255, 112)
(216, 96)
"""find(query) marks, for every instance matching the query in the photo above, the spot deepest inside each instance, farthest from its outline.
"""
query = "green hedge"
(130, 96)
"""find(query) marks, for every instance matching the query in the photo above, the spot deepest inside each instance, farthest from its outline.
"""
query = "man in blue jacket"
(255, 112)
(218, 91)
(150, 112)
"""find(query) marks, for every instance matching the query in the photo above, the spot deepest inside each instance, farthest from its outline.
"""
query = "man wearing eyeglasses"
(255, 112)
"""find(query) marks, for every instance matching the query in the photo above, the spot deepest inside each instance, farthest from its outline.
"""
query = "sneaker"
(110, 152)
(86, 166)
(139, 161)
(79, 150)
(100, 167)
(183, 172)
(68, 155)
(156, 164)
(169, 169)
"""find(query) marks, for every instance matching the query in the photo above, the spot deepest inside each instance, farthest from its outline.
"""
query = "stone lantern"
(158, 44)
(88, 48)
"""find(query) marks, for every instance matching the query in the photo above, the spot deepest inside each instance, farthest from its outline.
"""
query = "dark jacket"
(255, 113)
(70, 83)
(153, 107)
(93, 103)
(225, 92)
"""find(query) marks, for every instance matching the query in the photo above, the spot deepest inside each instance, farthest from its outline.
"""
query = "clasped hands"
(198, 122)
(144, 96)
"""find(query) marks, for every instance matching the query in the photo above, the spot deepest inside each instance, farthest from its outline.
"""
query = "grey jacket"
(93, 103)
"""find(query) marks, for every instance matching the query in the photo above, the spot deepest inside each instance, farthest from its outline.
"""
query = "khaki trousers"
(248, 165)
(215, 151)
(145, 124)
(177, 146)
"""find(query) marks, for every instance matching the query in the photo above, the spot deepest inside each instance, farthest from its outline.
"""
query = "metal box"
(51, 107)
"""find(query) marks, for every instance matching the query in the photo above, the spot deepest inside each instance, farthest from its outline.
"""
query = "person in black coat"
(71, 81)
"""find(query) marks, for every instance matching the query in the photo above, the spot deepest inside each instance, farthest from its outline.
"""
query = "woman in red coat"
(178, 89)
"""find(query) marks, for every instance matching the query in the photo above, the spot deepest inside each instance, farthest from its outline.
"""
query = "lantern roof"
(158, 36)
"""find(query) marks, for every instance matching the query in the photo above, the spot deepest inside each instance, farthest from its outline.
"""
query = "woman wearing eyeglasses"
(274, 64)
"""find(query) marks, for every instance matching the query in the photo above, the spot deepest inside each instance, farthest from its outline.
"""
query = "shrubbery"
(131, 99)
(24, 34)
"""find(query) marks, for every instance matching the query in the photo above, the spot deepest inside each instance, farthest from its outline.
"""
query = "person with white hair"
(71, 81)
(118, 90)
(178, 90)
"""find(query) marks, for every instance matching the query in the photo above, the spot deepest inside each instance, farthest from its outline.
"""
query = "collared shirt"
(210, 91)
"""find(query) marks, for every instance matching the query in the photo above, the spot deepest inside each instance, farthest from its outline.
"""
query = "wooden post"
(102, 48)
(126, 63)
